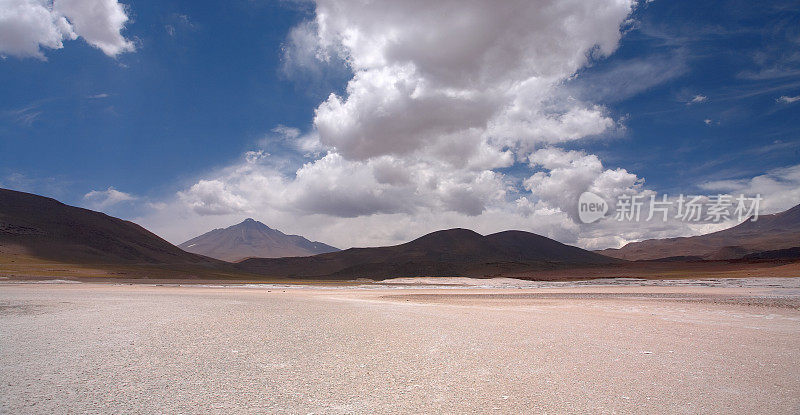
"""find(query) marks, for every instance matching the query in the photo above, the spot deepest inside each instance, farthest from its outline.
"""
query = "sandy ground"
(722, 346)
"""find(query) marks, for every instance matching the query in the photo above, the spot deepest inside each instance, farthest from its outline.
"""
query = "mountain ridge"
(48, 229)
(768, 233)
(451, 252)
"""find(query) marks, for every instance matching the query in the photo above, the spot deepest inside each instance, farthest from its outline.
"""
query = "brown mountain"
(454, 252)
(767, 233)
(252, 239)
(43, 238)
(45, 228)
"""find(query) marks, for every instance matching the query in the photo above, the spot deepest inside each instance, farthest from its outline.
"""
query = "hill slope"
(769, 232)
(45, 228)
(252, 239)
(454, 252)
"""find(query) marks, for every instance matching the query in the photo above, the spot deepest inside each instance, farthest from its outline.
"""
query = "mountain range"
(451, 252)
(766, 233)
(41, 232)
(251, 238)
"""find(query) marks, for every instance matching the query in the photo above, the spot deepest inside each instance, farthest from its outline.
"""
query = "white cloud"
(303, 52)
(340, 188)
(788, 100)
(26, 26)
(255, 156)
(697, 99)
(487, 71)
(286, 132)
(103, 199)
(628, 78)
(386, 201)
(707, 121)
(436, 107)
(570, 173)
(26, 115)
(212, 197)
(780, 188)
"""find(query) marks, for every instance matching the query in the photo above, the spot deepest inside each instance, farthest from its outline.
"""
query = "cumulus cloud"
(570, 173)
(212, 197)
(488, 71)
(337, 187)
(27, 26)
(302, 51)
(389, 201)
(788, 100)
(103, 199)
(442, 98)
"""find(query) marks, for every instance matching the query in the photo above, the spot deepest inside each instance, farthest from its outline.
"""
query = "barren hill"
(45, 228)
(767, 233)
(454, 252)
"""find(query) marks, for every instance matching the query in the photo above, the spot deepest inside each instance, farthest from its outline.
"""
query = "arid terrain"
(459, 346)
(99, 315)
(399, 207)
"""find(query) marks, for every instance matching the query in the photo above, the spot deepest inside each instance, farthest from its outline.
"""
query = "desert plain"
(729, 345)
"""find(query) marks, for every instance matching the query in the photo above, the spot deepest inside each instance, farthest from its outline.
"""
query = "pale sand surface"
(686, 347)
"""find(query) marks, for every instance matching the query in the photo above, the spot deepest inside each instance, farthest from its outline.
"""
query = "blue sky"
(742, 57)
(203, 84)
(697, 94)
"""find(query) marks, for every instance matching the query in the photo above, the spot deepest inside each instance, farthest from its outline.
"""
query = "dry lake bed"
(458, 346)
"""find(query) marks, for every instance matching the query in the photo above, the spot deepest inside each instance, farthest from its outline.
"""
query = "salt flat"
(683, 347)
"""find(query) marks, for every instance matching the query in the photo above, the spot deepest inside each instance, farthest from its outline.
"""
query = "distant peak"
(252, 223)
(455, 233)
